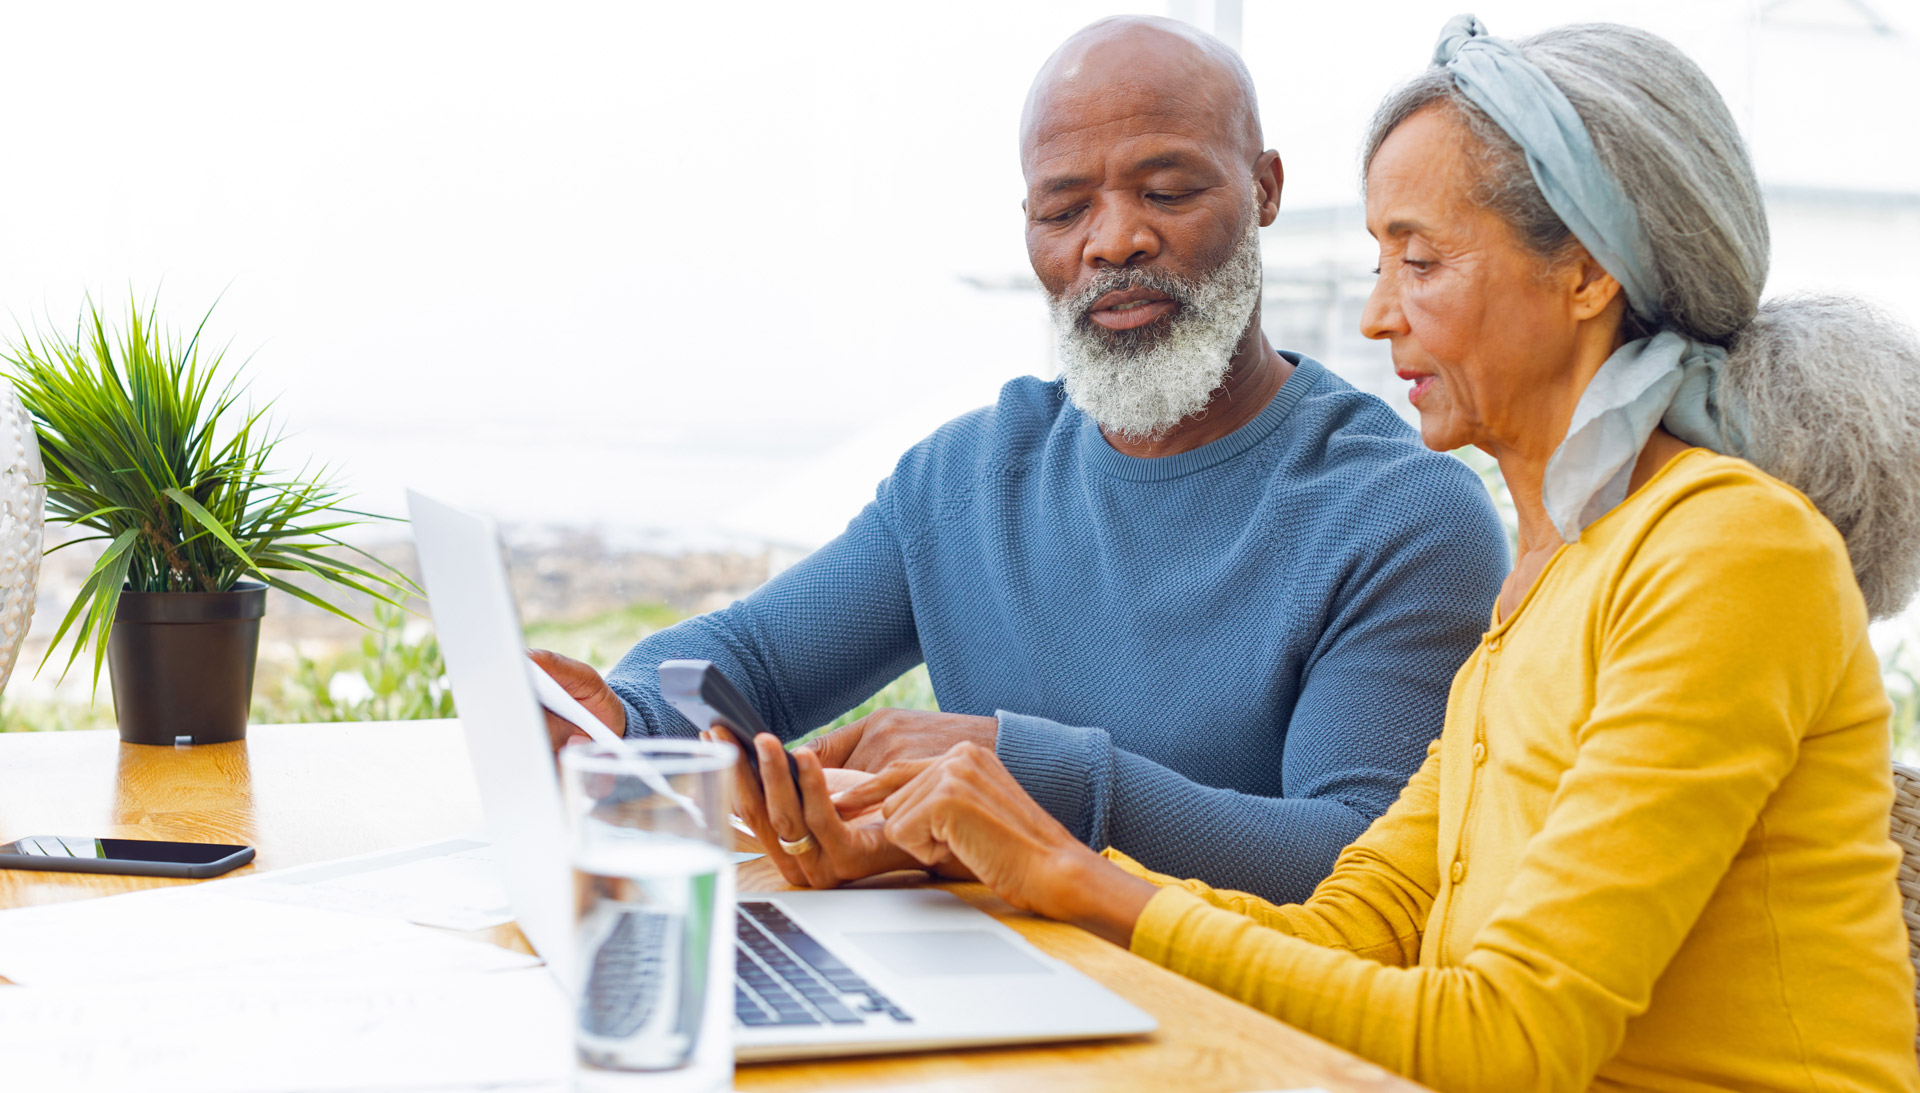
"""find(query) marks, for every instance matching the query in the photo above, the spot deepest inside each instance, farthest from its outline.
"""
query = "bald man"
(1203, 598)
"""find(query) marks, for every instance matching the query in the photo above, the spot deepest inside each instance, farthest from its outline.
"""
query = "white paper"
(568, 708)
(505, 1031)
(188, 933)
(452, 883)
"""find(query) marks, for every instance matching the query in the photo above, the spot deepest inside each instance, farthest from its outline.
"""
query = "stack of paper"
(506, 1031)
(453, 883)
(192, 933)
(308, 980)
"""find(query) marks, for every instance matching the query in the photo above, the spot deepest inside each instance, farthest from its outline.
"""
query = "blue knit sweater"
(1225, 662)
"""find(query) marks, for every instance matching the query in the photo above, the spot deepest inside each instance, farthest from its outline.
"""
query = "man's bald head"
(1192, 79)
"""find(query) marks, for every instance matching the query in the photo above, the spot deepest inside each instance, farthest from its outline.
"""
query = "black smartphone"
(130, 857)
(710, 700)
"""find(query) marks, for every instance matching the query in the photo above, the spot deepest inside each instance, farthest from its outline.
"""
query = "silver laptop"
(817, 973)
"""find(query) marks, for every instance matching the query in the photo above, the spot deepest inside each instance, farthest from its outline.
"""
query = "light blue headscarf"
(1666, 379)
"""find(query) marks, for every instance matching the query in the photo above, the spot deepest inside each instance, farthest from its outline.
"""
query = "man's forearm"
(1275, 847)
(791, 646)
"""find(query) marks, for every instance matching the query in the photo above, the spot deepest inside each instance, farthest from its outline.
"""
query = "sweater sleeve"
(1716, 654)
(1372, 694)
(1376, 901)
(805, 647)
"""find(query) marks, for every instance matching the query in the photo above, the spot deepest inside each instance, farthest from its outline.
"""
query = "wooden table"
(305, 793)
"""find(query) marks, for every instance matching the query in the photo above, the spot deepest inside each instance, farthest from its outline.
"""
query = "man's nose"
(1118, 238)
(1382, 317)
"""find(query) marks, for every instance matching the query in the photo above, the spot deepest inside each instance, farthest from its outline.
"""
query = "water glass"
(653, 905)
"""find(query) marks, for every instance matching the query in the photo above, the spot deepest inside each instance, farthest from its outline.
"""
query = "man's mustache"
(1080, 303)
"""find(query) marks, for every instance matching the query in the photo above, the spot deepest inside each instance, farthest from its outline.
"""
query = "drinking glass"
(653, 905)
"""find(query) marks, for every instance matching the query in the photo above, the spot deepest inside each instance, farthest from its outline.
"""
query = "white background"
(698, 267)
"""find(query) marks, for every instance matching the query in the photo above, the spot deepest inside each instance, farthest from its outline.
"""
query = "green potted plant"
(146, 448)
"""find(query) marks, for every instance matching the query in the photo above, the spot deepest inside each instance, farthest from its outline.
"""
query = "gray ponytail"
(1829, 386)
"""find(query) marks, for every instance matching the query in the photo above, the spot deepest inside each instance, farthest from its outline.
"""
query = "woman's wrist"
(1096, 895)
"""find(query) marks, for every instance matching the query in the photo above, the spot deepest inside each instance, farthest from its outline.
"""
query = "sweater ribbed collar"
(1102, 456)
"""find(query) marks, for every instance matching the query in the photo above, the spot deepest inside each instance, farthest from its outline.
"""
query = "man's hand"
(966, 808)
(844, 848)
(886, 737)
(585, 684)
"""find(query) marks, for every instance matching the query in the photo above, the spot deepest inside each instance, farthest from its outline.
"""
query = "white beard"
(1140, 385)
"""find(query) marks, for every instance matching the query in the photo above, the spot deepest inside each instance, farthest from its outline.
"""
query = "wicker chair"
(1906, 832)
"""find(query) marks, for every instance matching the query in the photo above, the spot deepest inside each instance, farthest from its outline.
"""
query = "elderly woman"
(1649, 849)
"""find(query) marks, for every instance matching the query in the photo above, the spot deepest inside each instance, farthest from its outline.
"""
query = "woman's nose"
(1381, 318)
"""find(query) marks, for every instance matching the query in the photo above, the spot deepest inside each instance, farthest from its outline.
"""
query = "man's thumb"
(836, 747)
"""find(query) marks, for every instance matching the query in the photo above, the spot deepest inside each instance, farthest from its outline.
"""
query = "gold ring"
(797, 846)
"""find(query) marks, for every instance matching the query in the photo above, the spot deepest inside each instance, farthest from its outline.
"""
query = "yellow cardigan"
(1649, 849)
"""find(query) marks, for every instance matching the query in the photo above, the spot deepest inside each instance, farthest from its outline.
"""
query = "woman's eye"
(1420, 265)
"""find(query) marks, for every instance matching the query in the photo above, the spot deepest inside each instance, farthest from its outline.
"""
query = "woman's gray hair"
(1829, 386)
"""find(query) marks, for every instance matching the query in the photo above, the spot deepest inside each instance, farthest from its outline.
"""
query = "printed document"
(188, 933)
(504, 1031)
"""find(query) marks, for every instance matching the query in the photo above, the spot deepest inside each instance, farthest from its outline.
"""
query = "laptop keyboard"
(784, 976)
(624, 983)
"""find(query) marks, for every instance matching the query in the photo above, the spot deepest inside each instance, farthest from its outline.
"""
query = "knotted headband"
(1667, 379)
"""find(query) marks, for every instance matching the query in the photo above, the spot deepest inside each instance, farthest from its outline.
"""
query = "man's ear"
(1269, 177)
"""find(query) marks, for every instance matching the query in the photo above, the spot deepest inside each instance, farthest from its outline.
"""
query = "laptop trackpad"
(947, 952)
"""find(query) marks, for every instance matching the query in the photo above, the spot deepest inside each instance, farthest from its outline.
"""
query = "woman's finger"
(871, 792)
(918, 786)
(910, 815)
(909, 829)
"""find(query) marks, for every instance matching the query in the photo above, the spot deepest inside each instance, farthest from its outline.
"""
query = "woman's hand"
(966, 808)
(842, 849)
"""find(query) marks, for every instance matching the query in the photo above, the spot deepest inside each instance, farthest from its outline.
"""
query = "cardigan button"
(1459, 872)
(1479, 753)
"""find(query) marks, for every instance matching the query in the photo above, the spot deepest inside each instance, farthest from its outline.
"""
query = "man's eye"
(1420, 265)
(1165, 198)
(1061, 217)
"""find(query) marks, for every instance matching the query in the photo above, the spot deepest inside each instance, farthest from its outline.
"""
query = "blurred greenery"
(397, 674)
(1900, 670)
(41, 716)
(912, 691)
(601, 640)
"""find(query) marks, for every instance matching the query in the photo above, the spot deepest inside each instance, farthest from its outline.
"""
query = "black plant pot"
(182, 664)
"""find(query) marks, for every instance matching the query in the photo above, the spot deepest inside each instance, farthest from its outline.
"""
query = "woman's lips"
(1130, 315)
(1421, 381)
